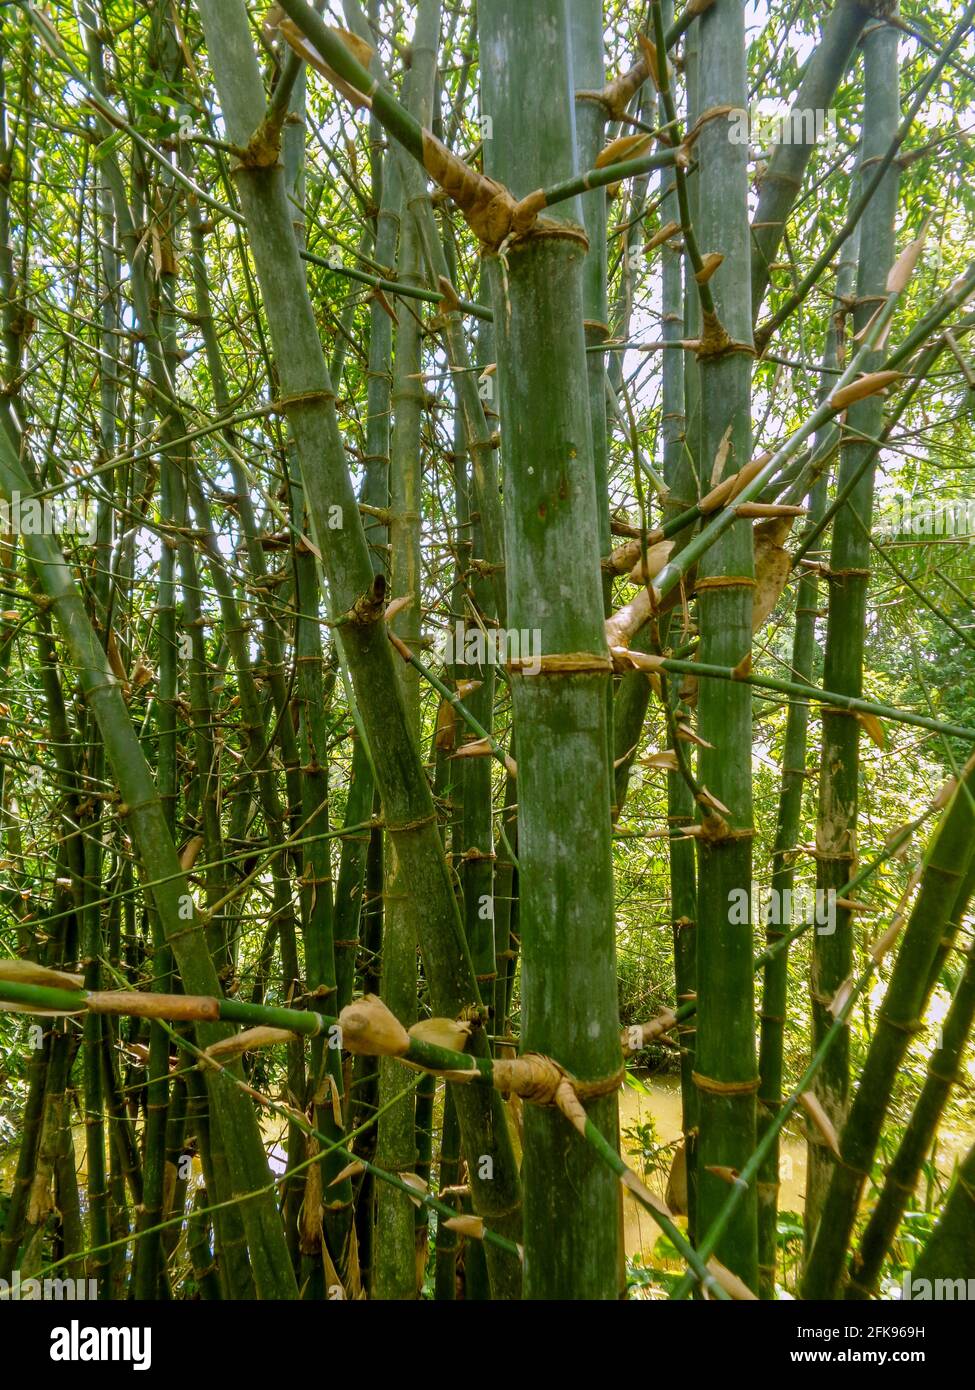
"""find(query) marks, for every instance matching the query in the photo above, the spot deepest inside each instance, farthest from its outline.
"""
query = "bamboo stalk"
(905, 1167)
(782, 180)
(900, 1013)
(725, 1062)
(775, 986)
(571, 1248)
(848, 577)
(394, 1261)
(309, 405)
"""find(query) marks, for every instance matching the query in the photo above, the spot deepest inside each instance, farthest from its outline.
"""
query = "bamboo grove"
(448, 456)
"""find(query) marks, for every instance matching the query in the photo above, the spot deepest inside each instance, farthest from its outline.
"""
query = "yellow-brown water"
(662, 1106)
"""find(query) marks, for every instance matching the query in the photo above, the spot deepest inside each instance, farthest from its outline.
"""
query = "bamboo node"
(368, 607)
(725, 581)
(262, 149)
(411, 825)
(558, 663)
(844, 574)
(311, 397)
(713, 113)
(714, 1087)
(541, 1080)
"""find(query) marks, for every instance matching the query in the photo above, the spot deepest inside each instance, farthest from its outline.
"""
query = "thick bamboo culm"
(469, 480)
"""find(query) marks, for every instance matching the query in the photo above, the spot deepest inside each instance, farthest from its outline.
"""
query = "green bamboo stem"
(611, 1158)
(775, 987)
(590, 124)
(397, 287)
(409, 132)
(309, 403)
(393, 1274)
(150, 835)
(445, 1271)
(480, 438)
(552, 569)
(750, 1172)
(782, 181)
(900, 1014)
(375, 493)
(54, 1116)
(725, 1064)
(594, 178)
(428, 1056)
(426, 1093)
(243, 501)
(476, 847)
(823, 697)
(879, 171)
(37, 1076)
(678, 471)
(848, 579)
(230, 1244)
(905, 1167)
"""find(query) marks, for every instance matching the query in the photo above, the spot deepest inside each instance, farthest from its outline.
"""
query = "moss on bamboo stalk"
(552, 573)
(725, 1062)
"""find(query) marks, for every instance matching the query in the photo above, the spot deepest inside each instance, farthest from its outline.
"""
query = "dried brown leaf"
(626, 147)
(248, 1041)
(864, 386)
(814, 1109)
(873, 727)
(351, 1170)
(709, 265)
(661, 235)
(191, 852)
(471, 1226)
(442, 1032)
(903, 268)
(305, 49)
